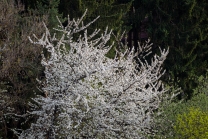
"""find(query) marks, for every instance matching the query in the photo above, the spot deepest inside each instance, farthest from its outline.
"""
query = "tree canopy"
(182, 26)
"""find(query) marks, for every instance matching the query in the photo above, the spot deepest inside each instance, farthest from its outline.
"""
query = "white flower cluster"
(89, 95)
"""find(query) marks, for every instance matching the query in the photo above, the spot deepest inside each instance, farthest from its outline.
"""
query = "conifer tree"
(182, 26)
(111, 12)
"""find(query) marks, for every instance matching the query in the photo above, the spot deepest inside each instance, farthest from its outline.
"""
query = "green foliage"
(192, 125)
(165, 122)
(45, 7)
(203, 85)
(111, 11)
(182, 26)
(185, 26)
(50, 7)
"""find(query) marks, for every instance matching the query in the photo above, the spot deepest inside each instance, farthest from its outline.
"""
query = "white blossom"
(90, 95)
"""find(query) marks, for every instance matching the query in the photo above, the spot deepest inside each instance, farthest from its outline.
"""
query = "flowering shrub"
(88, 95)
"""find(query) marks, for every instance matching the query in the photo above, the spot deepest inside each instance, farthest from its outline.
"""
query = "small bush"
(166, 121)
(192, 125)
